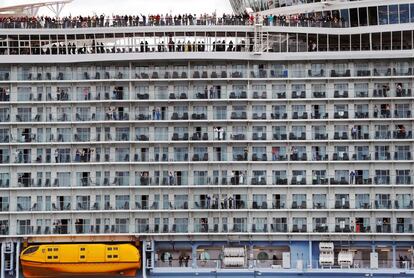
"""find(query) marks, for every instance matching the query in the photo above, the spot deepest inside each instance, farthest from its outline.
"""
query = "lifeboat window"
(115, 248)
(49, 257)
(109, 256)
(82, 257)
(115, 256)
(55, 257)
(49, 249)
(82, 249)
(55, 249)
(30, 250)
(109, 248)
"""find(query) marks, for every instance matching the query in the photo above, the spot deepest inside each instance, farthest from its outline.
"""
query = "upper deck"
(327, 14)
(370, 29)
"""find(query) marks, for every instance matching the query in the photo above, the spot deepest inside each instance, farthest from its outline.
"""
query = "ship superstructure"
(267, 144)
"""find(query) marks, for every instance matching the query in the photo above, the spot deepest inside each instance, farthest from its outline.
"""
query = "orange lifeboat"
(92, 260)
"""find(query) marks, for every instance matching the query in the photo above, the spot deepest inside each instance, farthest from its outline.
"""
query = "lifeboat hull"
(111, 269)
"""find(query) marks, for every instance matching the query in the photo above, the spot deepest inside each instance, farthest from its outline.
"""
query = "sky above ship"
(111, 7)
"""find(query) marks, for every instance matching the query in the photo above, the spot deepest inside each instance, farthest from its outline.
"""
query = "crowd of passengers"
(96, 47)
(168, 20)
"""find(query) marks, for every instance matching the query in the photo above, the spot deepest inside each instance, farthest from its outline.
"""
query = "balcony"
(280, 136)
(319, 94)
(402, 155)
(278, 116)
(238, 115)
(343, 156)
(345, 229)
(182, 116)
(342, 204)
(384, 228)
(315, 73)
(296, 95)
(259, 116)
(322, 228)
(296, 136)
(402, 134)
(403, 205)
(177, 96)
(299, 229)
(300, 205)
(200, 157)
(341, 115)
(404, 228)
(383, 204)
(362, 72)
(339, 180)
(299, 157)
(256, 95)
(346, 73)
(238, 95)
(298, 181)
(259, 205)
(179, 137)
(199, 116)
(258, 181)
(278, 228)
(341, 136)
(403, 93)
(298, 115)
(362, 115)
(338, 94)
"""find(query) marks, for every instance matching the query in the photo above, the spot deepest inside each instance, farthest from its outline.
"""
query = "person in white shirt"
(216, 133)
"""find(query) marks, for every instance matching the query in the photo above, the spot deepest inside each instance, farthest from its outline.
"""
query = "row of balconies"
(341, 178)
(124, 116)
(204, 137)
(224, 205)
(64, 96)
(24, 156)
(259, 133)
(212, 228)
(264, 72)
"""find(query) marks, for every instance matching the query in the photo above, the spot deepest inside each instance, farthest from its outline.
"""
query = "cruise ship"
(274, 142)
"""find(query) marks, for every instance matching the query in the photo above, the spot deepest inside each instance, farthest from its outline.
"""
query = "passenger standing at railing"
(222, 134)
(352, 177)
(216, 133)
(171, 178)
(241, 178)
(170, 259)
(158, 114)
(180, 260)
(354, 132)
(56, 156)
